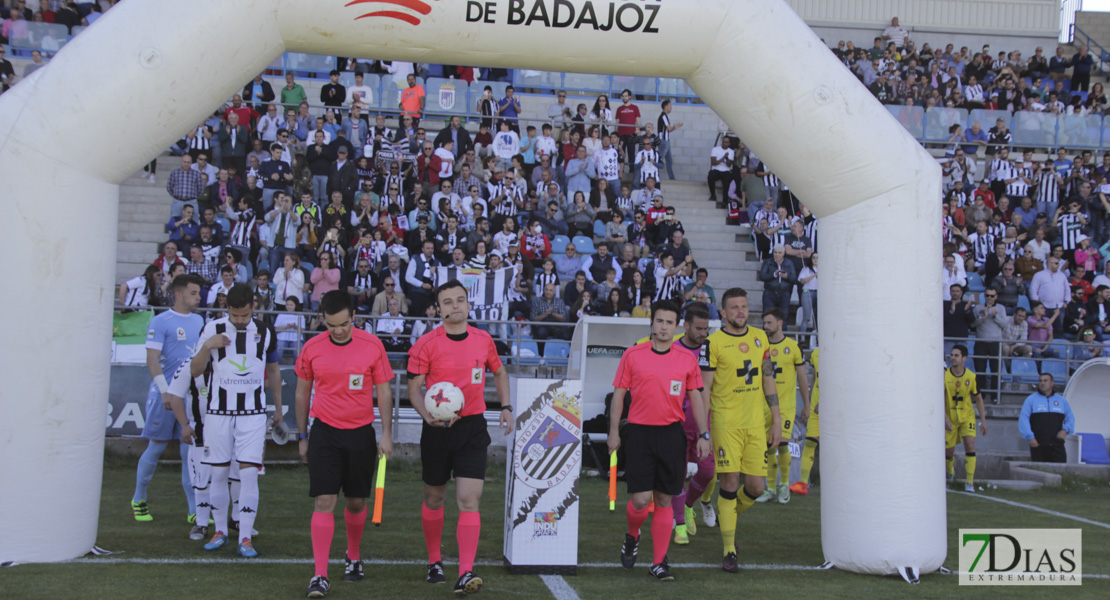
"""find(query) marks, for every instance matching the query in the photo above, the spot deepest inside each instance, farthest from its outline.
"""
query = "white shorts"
(234, 437)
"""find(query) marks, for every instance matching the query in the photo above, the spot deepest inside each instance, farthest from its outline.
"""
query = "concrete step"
(700, 209)
(127, 270)
(716, 235)
(137, 255)
(725, 255)
(134, 234)
(127, 248)
(746, 281)
(131, 209)
(738, 248)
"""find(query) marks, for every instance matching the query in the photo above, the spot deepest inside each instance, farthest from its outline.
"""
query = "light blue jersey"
(174, 335)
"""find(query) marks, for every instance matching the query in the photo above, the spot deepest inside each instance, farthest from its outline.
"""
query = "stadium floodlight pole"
(144, 69)
(379, 492)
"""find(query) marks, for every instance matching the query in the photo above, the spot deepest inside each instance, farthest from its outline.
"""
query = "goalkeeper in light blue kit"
(169, 342)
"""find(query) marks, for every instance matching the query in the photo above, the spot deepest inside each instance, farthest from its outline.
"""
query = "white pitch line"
(481, 563)
(559, 587)
(1031, 507)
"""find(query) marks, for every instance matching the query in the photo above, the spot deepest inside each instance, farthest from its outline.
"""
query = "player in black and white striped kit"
(244, 358)
(188, 397)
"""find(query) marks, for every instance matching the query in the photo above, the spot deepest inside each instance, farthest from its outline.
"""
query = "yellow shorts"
(813, 427)
(960, 430)
(739, 450)
(787, 410)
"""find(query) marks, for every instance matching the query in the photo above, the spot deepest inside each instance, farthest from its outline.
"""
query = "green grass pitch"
(770, 535)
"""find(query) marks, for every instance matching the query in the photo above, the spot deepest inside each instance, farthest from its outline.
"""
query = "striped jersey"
(543, 278)
(194, 390)
(1073, 185)
(1001, 169)
(960, 196)
(663, 127)
(1019, 188)
(239, 369)
(1048, 188)
(982, 246)
(241, 231)
(1070, 228)
(998, 230)
(810, 224)
(667, 287)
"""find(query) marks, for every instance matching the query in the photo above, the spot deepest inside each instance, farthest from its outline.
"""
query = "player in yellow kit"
(790, 377)
(959, 415)
(740, 383)
(813, 430)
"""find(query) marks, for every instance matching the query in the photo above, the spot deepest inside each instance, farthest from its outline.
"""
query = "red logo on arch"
(413, 6)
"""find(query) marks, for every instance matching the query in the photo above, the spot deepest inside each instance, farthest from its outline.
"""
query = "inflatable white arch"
(123, 90)
(1086, 393)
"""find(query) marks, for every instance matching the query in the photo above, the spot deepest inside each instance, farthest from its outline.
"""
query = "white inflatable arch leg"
(123, 90)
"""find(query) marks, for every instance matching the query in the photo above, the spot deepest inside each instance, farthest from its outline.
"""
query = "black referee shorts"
(654, 458)
(341, 459)
(461, 449)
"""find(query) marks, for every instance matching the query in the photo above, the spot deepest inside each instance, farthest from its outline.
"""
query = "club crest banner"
(541, 497)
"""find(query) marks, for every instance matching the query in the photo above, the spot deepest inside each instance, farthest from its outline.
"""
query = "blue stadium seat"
(975, 283)
(1024, 370)
(583, 245)
(525, 347)
(599, 228)
(1093, 449)
(559, 244)
(556, 353)
(1023, 302)
(1058, 369)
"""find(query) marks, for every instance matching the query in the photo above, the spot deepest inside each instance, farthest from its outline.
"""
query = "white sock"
(204, 506)
(248, 501)
(218, 496)
(235, 484)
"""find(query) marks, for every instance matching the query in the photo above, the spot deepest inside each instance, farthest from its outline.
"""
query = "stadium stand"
(1005, 127)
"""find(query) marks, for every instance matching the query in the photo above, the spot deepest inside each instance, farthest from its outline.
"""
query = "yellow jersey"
(813, 397)
(677, 336)
(959, 394)
(787, 357)
(736, 361)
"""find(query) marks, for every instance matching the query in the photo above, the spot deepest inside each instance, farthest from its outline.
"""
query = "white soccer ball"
(444, 400)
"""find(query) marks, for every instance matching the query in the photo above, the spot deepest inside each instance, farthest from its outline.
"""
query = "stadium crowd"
(299, 198)
(1026, 233)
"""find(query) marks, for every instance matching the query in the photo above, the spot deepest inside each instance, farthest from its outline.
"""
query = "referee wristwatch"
(705, 436)
(508, 407)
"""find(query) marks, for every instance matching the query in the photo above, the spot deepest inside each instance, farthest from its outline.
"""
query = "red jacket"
(532, 248)
(432, 166)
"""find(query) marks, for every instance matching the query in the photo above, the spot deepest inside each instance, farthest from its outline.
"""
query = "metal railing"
(1013, 373)
(512, 333)
(1095, 49)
